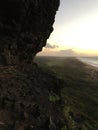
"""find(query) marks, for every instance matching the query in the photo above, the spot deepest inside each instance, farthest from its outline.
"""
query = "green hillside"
(80, 92)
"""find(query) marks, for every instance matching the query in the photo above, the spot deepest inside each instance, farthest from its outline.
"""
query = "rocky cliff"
(29, 97)
(25, 26)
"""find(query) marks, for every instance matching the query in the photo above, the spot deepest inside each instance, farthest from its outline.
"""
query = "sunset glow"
(76, 27)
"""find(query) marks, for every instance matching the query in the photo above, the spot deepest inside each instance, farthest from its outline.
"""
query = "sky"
(75, 29)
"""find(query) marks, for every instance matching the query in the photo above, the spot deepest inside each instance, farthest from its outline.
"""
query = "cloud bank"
(62, 53)
(67, 52)
(48, 45)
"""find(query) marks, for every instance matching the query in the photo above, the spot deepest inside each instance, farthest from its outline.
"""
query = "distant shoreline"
(89, 61)
(84, 59)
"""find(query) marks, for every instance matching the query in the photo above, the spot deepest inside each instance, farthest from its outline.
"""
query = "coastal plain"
(80, 90)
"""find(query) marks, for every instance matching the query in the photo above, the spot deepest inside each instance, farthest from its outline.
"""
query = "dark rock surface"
(25, 26)
(26, 91)
(25, 100)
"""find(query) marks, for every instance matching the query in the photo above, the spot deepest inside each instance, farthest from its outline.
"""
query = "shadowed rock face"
(31, 99)
(25, 99)
(25, 26)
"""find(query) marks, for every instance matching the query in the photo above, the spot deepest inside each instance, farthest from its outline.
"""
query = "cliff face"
(25, 26)
(29, 97)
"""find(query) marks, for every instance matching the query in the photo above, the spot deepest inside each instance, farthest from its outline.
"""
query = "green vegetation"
(54, 97)
(80, 92)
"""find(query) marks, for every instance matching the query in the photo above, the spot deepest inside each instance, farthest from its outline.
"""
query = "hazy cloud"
(61, 53)
(68, 52)
(48, 45)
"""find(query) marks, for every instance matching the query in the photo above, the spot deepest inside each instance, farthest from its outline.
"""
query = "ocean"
(90, 60)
